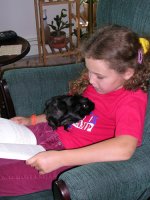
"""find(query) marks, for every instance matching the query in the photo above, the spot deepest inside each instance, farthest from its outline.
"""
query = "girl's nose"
(91, 79)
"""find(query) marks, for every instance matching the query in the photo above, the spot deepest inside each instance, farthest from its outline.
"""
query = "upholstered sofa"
(30, 87)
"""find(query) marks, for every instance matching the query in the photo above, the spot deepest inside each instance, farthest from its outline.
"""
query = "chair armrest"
(60, 190)
(109, 180)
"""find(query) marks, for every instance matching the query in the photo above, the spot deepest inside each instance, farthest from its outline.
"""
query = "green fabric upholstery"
(113, 180)
(44, 195)
(31, 87)
(131, 13)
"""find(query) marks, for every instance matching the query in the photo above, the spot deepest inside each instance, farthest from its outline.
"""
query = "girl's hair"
(119, 46)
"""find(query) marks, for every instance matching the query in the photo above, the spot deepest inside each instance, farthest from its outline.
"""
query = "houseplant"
(57, 36)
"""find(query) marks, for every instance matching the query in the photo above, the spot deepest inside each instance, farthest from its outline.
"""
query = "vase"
(58, 41)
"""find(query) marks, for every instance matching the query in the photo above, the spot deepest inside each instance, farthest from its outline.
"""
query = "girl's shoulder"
(132, 98)
(136, 94)
(120, 96)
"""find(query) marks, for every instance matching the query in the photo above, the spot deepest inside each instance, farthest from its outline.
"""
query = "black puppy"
(65, 110)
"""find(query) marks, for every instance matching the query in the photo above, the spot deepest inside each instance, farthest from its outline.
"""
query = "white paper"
(17, 141)
(11, 132)
(19, 151)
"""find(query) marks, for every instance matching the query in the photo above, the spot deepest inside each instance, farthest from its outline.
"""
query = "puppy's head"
(55, 109)
(81, 105)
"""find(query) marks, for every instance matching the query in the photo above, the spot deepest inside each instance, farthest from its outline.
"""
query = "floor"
(29, 61)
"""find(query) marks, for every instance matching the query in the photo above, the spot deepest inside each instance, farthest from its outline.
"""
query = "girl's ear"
(128, 74)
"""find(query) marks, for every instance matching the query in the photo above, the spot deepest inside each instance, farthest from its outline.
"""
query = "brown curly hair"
(79, 85)
(119, 46)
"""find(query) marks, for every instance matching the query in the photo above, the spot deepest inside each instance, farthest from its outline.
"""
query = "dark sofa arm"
(60, 190)
(110, 180)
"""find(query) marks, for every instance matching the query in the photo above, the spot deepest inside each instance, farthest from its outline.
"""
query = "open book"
(17, 141)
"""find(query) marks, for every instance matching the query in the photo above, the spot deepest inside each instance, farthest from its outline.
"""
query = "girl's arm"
(28, 120)
(115, 149)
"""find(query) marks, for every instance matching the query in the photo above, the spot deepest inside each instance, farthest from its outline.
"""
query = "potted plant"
(57, 36)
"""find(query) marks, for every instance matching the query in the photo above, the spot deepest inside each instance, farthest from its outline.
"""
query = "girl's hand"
(22, 120)
(46, 162)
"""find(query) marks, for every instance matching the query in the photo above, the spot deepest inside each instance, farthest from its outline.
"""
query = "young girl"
(118, 68)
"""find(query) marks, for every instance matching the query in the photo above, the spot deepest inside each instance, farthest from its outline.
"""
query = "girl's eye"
(100, 77)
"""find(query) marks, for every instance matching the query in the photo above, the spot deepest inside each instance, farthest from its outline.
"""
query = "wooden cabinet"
(73, 17)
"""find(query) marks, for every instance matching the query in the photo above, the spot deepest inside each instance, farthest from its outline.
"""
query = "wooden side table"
(8, 59)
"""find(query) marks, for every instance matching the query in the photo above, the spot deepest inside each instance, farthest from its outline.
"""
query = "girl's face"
(104, 79)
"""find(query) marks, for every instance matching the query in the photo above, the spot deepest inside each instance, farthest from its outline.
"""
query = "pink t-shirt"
(120, 112)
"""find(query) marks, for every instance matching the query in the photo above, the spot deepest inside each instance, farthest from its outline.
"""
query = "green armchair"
(124, 180)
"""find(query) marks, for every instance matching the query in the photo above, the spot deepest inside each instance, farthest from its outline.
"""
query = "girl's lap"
(17, 178)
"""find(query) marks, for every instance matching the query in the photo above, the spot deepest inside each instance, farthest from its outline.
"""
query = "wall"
(19, 15)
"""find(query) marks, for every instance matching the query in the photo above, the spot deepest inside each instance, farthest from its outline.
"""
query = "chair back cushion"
(134, 14)
(31, 87)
